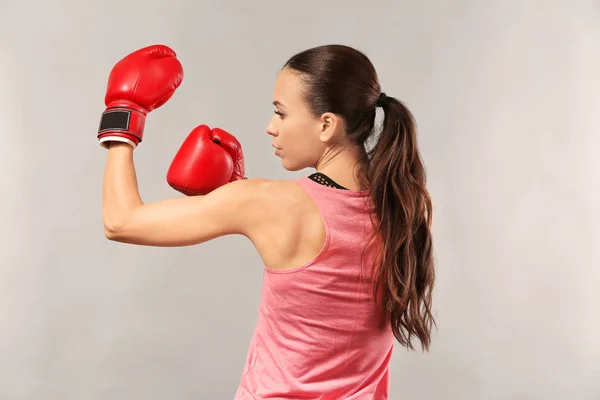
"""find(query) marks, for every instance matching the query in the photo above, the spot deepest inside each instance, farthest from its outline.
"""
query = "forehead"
(288, 88)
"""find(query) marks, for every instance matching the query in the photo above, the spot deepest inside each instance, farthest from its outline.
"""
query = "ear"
(329, 124)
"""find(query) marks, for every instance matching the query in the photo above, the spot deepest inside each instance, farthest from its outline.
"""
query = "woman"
(347, 250)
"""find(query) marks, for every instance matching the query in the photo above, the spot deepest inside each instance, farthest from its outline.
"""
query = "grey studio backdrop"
(507, 98)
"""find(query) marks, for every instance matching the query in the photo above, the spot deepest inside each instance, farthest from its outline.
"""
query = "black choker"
(325, 180)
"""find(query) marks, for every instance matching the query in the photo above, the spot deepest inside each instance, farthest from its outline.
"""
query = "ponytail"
(404, 274)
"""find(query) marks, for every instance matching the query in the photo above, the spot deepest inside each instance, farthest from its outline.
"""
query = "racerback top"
(319, 333)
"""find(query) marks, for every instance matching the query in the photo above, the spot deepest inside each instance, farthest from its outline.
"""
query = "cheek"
(291, 136)
(299, 150)
(295, 131)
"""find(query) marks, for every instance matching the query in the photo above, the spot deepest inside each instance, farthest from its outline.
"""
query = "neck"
(346, 166)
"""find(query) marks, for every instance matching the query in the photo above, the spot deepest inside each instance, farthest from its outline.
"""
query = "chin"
(291, 166)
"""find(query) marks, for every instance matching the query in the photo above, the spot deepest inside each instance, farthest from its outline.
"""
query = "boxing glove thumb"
(234, 148)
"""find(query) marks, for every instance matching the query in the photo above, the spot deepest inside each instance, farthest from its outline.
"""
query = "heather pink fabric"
(319, 334)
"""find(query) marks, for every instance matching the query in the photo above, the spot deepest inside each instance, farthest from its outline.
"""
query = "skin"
(308, 141)
(278, 217)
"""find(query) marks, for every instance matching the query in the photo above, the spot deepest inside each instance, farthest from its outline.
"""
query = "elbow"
(120, 227)
(110, 233)
(119, 235)
(113, 230)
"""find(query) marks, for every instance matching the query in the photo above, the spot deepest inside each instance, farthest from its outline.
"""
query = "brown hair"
(342, 80)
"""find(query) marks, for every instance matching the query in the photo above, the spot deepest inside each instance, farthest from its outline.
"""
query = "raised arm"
(209, 166)
(234, 208)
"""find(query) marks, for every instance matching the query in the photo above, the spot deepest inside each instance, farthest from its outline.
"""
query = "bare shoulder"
(286, 227)
(273, 196)
(274, 205)
(281, 189)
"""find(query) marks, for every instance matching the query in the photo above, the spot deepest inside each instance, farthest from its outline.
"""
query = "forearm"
(120, 194)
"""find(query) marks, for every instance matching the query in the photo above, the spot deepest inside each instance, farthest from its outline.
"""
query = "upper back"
(318, 320)
(300, 216)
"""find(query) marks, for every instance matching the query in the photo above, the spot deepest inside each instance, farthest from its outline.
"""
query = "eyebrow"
(278, 103)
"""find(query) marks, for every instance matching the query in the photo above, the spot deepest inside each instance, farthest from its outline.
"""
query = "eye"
(281, 115)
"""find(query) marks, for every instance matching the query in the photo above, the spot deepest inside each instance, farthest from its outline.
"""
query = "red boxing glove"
(139, 83)
(206, 160)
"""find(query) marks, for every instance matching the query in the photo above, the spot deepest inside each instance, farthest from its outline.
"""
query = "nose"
(271, 128)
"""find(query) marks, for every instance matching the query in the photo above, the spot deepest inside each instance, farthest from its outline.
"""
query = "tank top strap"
(323, 200)
(335, 205)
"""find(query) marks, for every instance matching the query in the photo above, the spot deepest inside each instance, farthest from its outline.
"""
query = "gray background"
(507, 98)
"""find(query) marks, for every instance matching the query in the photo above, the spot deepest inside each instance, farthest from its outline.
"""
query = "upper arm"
(235, 208)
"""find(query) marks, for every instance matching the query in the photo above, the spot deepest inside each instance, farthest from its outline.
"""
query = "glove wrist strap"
(123, 119)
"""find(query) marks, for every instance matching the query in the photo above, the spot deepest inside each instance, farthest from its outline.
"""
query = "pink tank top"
(319, 334)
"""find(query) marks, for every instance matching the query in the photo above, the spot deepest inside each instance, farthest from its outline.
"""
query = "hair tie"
(381, 100)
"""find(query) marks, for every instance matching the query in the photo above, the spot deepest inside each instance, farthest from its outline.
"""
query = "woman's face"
(296, 132)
